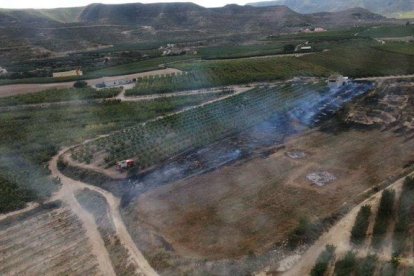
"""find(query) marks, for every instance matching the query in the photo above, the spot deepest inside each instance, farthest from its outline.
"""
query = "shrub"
(347, 265)
(366, 267)
(13, 197)
(323, 261)
(80, 84)
(405, 216)
(385, 211)
(359, 230)
(305, 232)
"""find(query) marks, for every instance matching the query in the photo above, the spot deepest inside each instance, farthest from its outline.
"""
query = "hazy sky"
(20, 4)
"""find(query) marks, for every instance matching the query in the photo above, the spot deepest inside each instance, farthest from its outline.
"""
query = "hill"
(31, 33)
(384, 7)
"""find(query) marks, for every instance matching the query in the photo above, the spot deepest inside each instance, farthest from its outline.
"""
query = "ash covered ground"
(261, 140)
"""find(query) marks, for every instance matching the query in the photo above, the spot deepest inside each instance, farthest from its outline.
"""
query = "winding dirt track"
(67, 195)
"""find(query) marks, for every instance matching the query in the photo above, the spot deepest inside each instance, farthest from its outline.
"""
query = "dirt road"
(338, 235)
(67, 195)
(19, 89)
(385, 78)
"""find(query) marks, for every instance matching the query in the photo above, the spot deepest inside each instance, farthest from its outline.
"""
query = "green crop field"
(231, 51)
(389, 31)
(204, 74)
(405, 48)
(158, 140)
(59, 95)
(332, 35)
(362, 60)
(136, 67)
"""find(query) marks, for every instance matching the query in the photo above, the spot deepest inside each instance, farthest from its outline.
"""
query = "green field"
(389, 31)
(59, 95)
(363, 60)
(30, 137)
(330, 36)
(137, 67)
(404, 48)
(232, 51)
(204, 74)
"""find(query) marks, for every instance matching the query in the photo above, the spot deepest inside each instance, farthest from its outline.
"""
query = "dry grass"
(251, 206)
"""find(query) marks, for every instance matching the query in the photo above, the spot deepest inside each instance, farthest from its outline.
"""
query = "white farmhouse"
(3, 71)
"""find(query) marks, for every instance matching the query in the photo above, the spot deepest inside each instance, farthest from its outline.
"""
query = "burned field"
(253, 204)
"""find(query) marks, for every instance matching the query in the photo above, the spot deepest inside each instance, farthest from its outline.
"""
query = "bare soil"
(254, 205)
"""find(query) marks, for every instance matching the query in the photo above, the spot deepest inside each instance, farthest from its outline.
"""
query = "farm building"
(66, 74)
(3, 71)
(336, 81)
(115, 83)
(306, 48)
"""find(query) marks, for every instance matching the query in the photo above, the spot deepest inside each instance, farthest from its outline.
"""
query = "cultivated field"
(48, 240)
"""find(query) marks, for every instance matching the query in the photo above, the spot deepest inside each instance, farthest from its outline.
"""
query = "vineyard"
(49, 240)
(158, 140)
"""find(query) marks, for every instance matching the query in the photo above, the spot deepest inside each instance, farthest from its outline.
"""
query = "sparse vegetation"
(359, 230)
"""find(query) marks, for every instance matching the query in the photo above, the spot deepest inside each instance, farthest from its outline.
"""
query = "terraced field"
(49, 240)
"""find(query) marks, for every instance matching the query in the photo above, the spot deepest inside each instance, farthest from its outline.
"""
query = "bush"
(289, 48)
(305, 232)
(385, 211)
(80, 84)
(13, 197)
(367, 266)
(347, 265)
(323, 261)
(359, 230)
(405, 216)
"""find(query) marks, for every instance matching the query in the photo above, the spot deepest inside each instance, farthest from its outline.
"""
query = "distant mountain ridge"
(172, 16)
(61, 30)
(384, 7)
